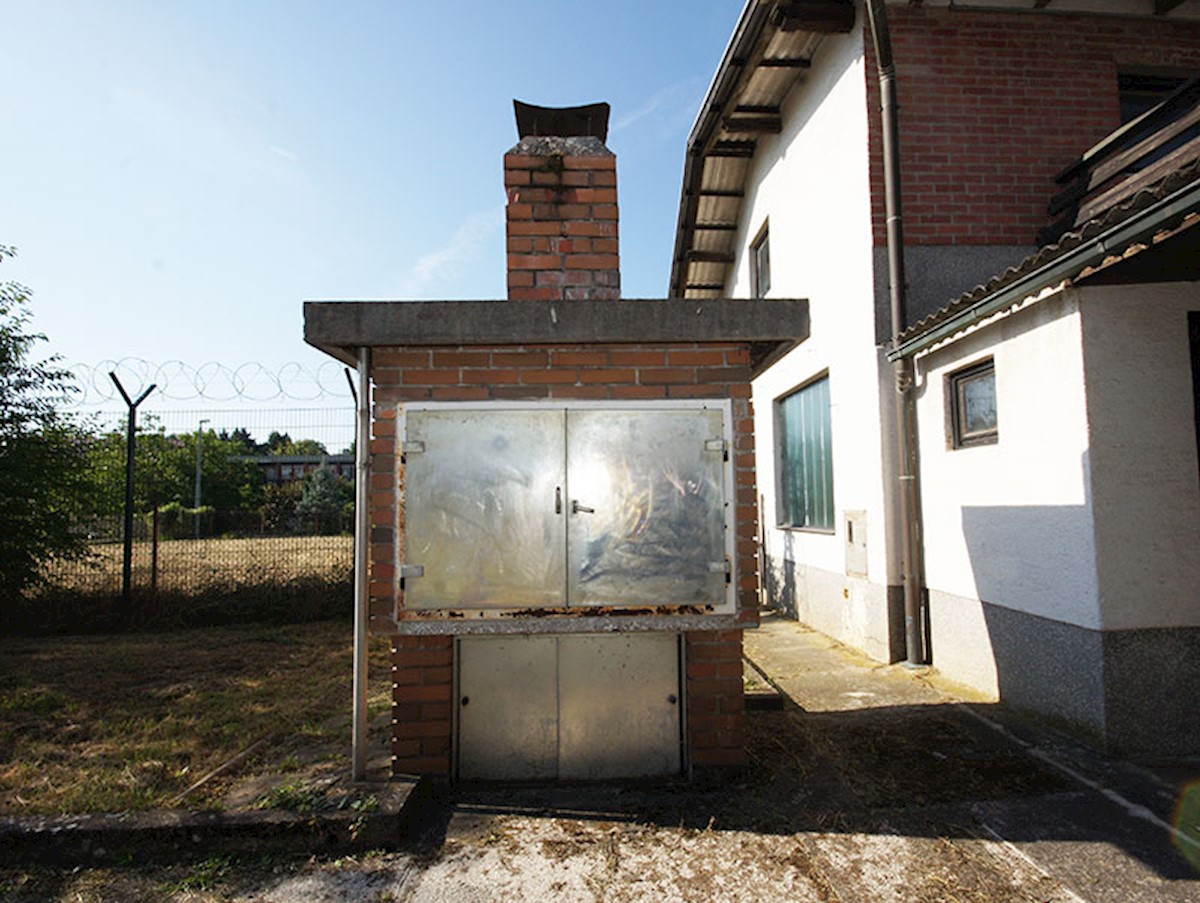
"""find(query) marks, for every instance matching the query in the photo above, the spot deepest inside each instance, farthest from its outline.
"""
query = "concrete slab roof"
(771, 327)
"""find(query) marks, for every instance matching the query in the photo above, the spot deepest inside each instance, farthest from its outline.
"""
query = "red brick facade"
(562, 227)
(422, 665)
(993, 105)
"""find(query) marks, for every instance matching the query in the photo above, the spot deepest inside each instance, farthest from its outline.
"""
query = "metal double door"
(552, 508)
(571, 707)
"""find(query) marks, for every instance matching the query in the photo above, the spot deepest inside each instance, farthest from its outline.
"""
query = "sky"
(179, 177)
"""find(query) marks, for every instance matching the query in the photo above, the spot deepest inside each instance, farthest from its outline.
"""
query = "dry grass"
(198, 566)
(192, 583)
(124, 722)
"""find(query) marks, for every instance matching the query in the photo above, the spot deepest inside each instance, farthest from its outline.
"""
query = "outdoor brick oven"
(562, 502)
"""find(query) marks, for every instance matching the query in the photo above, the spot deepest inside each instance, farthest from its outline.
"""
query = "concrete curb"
(172, 834)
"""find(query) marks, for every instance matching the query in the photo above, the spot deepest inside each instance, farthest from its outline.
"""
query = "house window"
(760, 264)
(972, 405)
(805, 457)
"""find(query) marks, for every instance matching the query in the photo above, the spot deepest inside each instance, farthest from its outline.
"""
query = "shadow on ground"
(925, 771)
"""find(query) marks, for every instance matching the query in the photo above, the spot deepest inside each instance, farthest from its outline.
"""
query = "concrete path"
(1095, 828)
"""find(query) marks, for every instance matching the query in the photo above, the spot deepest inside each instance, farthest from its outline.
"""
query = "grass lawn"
(108, 723)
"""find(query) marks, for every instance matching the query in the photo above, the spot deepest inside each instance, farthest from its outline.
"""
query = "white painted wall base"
(849, 609)
(962, 647)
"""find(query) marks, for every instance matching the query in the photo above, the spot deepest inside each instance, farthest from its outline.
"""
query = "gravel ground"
(870, 785)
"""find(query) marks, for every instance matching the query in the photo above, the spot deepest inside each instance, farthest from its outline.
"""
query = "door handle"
(577, 508)
(558, 500)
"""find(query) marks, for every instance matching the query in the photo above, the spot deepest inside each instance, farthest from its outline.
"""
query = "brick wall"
(994, 104)
(562, 221)
(422, 704)
(716, 701)
(423, 683)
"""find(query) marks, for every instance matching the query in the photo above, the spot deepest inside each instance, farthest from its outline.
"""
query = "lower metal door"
(618, 711)
(507, 708)
(580, 707)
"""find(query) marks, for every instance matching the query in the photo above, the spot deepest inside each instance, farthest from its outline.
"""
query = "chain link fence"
(238, 515)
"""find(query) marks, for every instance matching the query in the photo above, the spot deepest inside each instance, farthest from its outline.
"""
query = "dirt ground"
(875, 787)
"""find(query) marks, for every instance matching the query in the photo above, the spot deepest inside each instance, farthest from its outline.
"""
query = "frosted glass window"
(804, 448)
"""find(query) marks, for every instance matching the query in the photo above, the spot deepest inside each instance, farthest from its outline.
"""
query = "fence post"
(154, 554)
(130, 449)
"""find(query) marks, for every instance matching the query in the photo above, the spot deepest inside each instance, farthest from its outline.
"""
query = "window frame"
(760, 254)
(783, 509)
(956, 412)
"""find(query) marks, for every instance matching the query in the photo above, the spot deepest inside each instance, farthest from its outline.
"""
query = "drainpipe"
(907, 490)
(362, 560)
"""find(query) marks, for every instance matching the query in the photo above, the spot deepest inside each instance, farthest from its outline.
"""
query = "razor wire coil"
(211, 381)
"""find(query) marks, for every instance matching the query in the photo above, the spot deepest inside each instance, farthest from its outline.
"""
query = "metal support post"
(130, 448)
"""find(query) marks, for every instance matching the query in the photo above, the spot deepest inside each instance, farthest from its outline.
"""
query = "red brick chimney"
(562, 206)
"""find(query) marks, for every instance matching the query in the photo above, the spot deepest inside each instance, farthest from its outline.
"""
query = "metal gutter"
(1140, 225)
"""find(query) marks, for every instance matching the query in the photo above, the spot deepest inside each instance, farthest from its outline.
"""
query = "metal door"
(581, 707)
(483, 509)
(507, 708)
(619, 702)
(646, 509)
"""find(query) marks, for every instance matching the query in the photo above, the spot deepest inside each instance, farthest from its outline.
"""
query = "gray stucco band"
(937, 274)
(1132, 690)
(1043, 666)
(771, 326)
(1150, 680)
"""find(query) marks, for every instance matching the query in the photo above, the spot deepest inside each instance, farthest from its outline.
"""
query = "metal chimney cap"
(562, 122)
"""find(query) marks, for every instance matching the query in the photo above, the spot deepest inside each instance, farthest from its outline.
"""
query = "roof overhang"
(1174, 9)
(771, 48)
(771, 327)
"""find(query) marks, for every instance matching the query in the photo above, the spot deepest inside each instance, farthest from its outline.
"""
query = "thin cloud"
(667, 107)
(435, 267)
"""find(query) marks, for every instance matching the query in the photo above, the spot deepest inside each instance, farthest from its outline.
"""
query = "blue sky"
(180, 176)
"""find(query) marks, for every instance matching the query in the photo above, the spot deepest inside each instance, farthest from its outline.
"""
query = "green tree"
(242, 437)
(165, 472)
(43, 460)
(325, 498)
(283, 444)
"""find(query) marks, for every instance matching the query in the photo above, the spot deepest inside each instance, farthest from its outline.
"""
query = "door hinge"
(721, 567)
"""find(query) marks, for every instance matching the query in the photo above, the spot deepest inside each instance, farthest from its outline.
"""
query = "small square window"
(760, 264)
(972, 404)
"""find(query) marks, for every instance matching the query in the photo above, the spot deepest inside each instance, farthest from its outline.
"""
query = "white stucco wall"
(811, 184)
(1144, 470)
(1010, 524)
